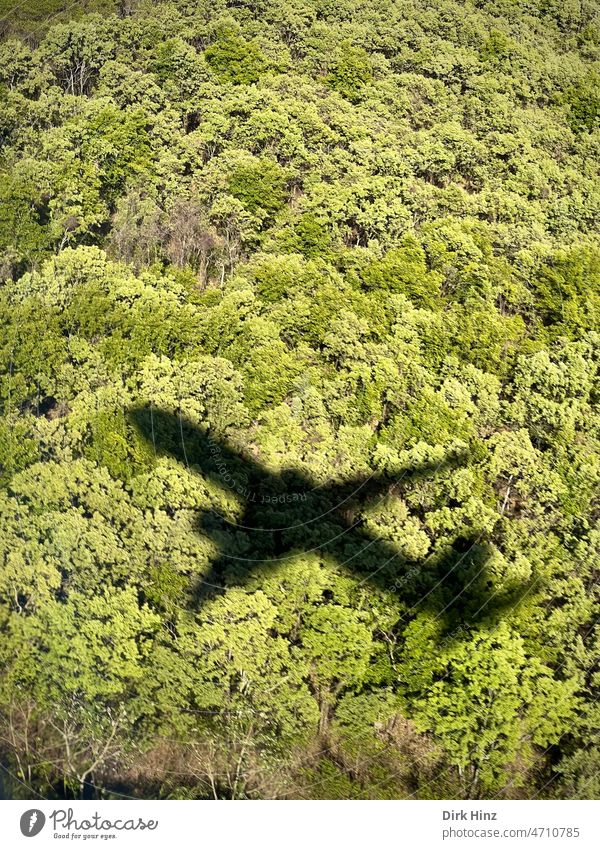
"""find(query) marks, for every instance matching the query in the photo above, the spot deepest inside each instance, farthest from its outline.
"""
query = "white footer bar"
(310, 825)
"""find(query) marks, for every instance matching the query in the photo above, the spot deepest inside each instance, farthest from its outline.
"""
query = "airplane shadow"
(286, 513)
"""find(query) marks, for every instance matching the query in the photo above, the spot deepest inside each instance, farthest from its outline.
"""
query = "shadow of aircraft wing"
(174, 435)
(271, 497)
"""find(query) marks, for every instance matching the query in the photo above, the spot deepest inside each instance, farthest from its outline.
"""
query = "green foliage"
(404, 270)
(23, 237)
(299, 426)
(259, 185)
(579, 775)
(566, 291)
(233, 59)
(583, 101)
(350, 71)
(497, 46)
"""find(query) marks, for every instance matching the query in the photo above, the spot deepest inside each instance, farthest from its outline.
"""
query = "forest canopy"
(299, 435)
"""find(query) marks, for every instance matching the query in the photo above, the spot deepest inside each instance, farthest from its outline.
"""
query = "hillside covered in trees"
(299, 435)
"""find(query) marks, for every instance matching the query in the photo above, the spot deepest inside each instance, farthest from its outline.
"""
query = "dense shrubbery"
(252, 254)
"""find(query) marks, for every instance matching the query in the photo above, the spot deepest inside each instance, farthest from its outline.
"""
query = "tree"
(233, 59)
